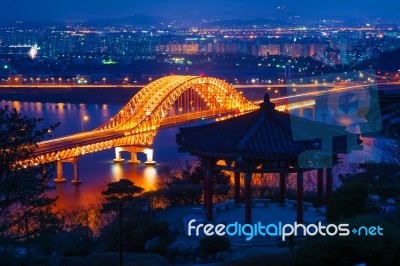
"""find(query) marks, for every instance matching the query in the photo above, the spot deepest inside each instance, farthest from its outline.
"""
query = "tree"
(187, 188)
(211, 245)
(382, 179)
(116, 194)
(348, 201)
(26, 212)
(120, 191)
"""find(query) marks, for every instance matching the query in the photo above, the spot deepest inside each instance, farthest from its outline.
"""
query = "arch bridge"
(168, 101)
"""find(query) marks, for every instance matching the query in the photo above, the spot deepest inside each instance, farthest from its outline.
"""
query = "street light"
(60, 79)
(9, 67)
(85, 118)
(104, 81)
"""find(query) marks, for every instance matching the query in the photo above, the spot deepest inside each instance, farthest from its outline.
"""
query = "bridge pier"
(311, 108)
(301, 112)
(134, 159)
(118, 157)
(60, 179)
(133, 150)
(149, 154)
(76, 180)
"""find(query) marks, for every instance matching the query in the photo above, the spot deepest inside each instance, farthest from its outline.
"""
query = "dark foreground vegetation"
(34, 232)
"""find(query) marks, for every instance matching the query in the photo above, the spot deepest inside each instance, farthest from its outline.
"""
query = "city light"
(84, 119)
(33, 52)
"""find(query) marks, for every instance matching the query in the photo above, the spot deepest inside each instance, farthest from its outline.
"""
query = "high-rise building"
(190, 48)
(177, 48)
(292, 50)
(270, 49)
(332, 57)
(317, 51)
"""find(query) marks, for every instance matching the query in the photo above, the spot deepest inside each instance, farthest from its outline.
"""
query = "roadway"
(66, 86)
(79, 139)
(97, 136)
(98, 86)
(236, 86)
(305, 96)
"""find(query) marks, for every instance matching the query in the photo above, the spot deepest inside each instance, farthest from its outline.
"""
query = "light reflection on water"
(98, 169)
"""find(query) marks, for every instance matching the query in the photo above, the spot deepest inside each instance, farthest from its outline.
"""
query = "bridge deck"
(71, 141)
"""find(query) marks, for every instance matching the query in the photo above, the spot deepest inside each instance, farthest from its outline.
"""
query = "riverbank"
(75, 95)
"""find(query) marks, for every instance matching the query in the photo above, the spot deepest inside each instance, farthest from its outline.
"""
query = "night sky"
(91, 9)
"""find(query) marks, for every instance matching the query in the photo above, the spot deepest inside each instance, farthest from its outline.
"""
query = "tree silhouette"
(26, 212)
(120, 191)
(116, 194)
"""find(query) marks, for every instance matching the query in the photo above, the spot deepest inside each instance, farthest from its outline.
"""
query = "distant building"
(292, 50)
(177, 48)
(209, 49)
(270, 49)
(224, 48)
(15, 50)
(254, 51)
(317, 51)
(332, 57)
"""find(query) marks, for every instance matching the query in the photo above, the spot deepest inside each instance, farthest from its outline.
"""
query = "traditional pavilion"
(263, 142)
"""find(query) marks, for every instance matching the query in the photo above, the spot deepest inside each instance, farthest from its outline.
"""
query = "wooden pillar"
(237, 187)
(205, 192)
(247, 198)
(320, 187)
(299, 205)
(313, 113)
(209, 209)
(329, 184)
(282, 188)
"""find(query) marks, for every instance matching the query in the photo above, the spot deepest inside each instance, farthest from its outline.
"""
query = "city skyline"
(191, 10)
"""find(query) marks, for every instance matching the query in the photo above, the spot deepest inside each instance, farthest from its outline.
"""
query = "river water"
(98, 169)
